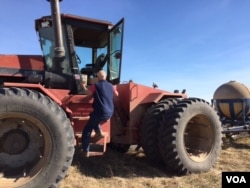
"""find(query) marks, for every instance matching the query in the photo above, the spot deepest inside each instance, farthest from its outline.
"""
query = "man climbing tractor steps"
(98, 141)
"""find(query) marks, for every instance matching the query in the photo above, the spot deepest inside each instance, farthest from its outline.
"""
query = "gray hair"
(101, 75)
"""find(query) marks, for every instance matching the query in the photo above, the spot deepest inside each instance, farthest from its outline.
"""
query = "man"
(103, 107)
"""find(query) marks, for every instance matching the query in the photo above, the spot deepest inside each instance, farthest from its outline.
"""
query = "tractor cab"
(89, 45)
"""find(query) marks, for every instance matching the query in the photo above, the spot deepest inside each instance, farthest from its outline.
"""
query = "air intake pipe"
(59, 50)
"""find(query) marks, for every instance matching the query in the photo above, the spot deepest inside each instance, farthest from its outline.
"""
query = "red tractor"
(43, 112)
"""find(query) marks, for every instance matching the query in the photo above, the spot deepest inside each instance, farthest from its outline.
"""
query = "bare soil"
(132, 170)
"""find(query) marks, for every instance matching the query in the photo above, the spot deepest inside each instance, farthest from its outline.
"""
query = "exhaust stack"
(59, 50)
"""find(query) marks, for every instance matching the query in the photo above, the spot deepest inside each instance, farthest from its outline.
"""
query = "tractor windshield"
(47, 45)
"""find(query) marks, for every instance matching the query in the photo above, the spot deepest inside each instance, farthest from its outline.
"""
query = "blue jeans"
(93, 124)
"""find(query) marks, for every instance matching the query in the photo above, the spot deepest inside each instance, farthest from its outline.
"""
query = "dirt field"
(131, 170)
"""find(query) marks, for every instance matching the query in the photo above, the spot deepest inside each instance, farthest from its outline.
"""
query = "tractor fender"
(156, 97)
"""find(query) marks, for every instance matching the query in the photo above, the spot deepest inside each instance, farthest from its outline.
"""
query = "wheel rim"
(198, 138)
(25, 147)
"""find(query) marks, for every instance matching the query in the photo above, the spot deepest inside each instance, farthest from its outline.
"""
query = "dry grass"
(131, 170)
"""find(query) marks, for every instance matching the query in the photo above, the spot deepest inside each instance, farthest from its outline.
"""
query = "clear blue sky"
(193, 44)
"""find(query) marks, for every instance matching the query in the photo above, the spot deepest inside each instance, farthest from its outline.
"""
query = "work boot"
(98, 136)
(85, 154)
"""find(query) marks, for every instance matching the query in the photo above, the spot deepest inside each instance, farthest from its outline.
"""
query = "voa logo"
(236, 179)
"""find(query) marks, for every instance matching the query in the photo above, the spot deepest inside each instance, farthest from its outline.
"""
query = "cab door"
(115, 52)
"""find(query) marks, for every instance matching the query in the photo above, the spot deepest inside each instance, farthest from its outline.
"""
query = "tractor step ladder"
(97, 147)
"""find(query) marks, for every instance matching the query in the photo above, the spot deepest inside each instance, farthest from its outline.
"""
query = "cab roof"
(74, 18)
(88, 32)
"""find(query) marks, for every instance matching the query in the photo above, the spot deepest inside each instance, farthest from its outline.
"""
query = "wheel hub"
(21, 143)
(198, 140)
(14, 142)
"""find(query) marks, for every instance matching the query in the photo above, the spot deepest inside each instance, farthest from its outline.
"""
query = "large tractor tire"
(149, 129)
(36, 140)
(190, 137)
